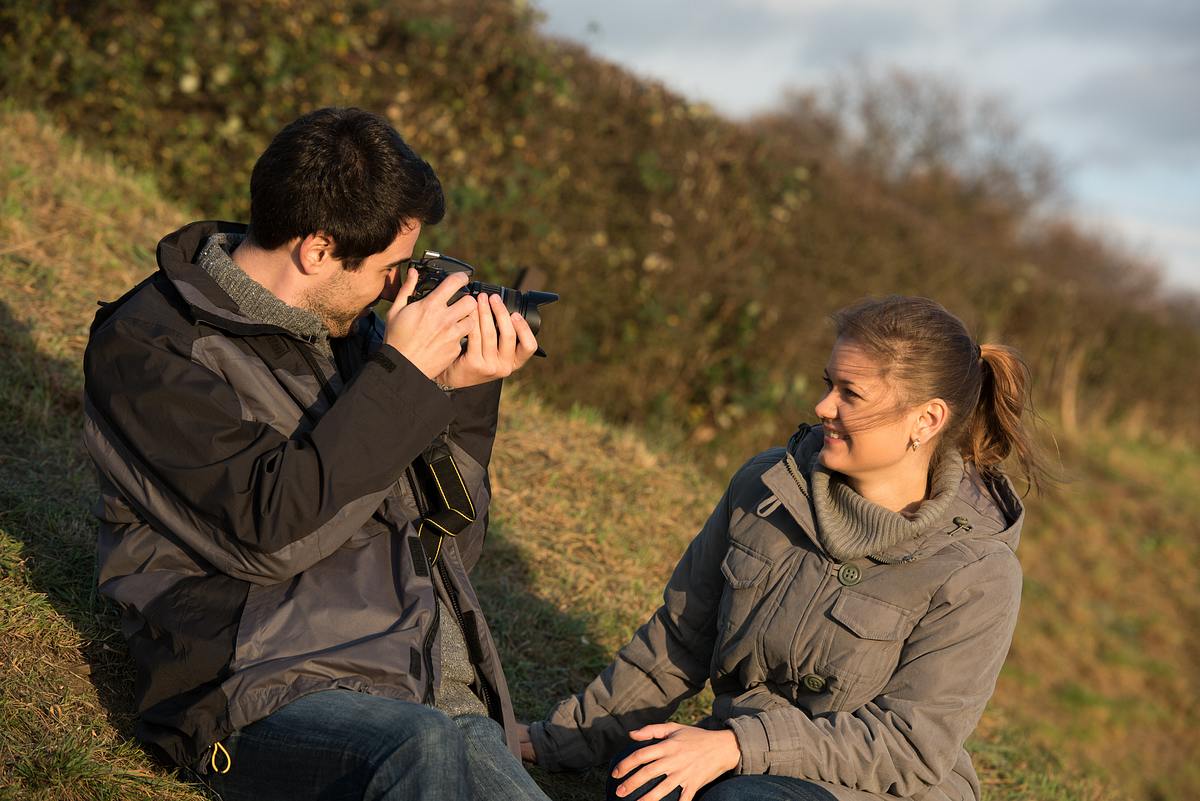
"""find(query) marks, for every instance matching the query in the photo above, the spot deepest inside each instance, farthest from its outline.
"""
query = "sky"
(1110, 87)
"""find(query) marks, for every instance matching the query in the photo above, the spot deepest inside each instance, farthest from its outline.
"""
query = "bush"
(696, 257)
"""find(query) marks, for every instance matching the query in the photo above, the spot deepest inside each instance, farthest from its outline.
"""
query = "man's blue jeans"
(340, 745)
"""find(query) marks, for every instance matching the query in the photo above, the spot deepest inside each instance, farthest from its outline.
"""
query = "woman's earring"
(916, 443)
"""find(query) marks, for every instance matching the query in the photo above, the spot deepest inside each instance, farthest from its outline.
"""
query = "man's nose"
(391, 284)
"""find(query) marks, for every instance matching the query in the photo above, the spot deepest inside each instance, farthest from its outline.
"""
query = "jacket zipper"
(429, 700)
(450, 591)
(444, 572)
(427, 645)
(418, 496)
(789, 464)
(419, 500)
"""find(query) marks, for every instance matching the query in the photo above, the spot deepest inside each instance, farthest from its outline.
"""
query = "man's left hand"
(501, 345)
(688, 758)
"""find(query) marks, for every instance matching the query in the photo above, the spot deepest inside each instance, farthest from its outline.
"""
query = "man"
(265, 448)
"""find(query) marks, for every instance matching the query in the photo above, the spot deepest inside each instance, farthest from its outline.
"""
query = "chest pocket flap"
(743, 568)
(870, 618)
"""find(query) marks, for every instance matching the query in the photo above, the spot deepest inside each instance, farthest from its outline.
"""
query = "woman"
(851, 598)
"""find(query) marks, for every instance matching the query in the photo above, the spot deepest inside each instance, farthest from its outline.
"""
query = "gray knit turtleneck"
(849, 526)
(454, 696)
(252, 298)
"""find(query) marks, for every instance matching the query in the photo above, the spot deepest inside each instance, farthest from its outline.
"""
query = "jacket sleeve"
(908, 738)
(476, 411)
(666, 661)
(174, 438)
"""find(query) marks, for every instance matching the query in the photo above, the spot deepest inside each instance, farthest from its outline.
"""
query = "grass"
(1096, 702)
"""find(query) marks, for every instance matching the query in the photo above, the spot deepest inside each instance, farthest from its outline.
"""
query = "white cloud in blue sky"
(1111, 87)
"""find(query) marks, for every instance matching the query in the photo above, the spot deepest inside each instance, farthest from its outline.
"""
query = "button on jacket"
(256, 509)
(865, 677)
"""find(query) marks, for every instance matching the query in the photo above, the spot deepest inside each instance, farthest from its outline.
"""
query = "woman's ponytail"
(995, 431)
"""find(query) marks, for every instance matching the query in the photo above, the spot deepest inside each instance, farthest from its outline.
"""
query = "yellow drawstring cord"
(218, 748)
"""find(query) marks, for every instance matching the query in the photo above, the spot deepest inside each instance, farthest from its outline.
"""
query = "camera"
(433, 268)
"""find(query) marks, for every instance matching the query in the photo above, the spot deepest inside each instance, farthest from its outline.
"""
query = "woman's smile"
(833, 435)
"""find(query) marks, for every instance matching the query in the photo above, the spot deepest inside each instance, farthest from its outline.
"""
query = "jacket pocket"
(261, 602)
(864, 647)
(745, 575)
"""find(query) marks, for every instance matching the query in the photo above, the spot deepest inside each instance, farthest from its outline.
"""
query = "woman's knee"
(614, 781)
(726, 790)
(764, 788)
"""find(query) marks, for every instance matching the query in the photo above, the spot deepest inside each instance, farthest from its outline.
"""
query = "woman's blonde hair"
(926, 352)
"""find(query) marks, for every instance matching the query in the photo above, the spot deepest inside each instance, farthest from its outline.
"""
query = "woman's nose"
(826, 409)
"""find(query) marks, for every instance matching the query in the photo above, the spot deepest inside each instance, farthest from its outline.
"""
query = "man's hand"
(689, 758)
(428, 332)
(499, 344)
(527, 752)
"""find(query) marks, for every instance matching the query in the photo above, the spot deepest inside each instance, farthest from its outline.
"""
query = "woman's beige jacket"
(866, 676)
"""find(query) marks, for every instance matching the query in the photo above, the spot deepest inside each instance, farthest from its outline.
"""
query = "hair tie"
(979, 352)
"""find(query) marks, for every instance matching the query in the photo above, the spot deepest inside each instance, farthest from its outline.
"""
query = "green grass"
(588, 522)
(1011, 770)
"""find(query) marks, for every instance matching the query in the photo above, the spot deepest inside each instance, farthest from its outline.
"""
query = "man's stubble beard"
(322, 301)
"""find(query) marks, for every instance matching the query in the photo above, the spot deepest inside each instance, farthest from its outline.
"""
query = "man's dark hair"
(346, 172)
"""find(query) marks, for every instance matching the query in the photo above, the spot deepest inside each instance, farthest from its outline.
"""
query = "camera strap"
(449, 506)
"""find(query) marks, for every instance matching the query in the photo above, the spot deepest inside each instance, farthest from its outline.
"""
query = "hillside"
(684, 245)
(588, 522)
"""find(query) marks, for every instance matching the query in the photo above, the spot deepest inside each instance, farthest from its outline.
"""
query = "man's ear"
(314, 254)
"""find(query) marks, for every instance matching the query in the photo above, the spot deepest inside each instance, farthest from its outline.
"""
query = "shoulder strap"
(449, 506)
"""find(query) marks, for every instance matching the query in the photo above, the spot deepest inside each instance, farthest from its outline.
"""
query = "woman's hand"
(688, 757)
(527, 752)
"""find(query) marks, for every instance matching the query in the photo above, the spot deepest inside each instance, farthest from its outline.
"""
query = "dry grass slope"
(67, 237)
(588, 522)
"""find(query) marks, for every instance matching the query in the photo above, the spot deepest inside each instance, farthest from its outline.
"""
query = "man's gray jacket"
(257, 501)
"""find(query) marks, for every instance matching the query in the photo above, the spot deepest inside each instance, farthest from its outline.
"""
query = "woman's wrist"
(525, 739)
(731, 750)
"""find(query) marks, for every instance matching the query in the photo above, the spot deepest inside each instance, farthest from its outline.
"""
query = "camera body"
(433, 268)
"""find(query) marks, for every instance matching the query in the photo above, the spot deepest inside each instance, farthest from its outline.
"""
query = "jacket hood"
(986, 507)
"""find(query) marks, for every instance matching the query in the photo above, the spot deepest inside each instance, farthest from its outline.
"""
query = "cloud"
(832, 37)
(1175, 247)
(637, 27)
(1108, 85)
(1148, 110)
(816, 34)
(1173, 22)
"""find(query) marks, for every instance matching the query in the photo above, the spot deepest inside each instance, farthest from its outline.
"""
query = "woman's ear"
(932, 418)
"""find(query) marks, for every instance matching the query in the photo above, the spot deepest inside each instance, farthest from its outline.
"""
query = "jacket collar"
(989, 506)
(208, 303)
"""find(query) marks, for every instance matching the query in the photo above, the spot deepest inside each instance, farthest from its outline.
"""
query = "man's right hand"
(427, 332)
